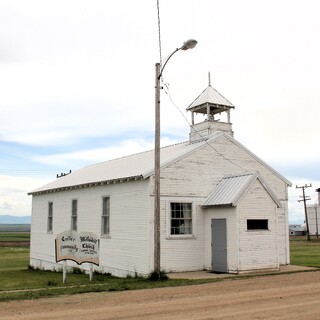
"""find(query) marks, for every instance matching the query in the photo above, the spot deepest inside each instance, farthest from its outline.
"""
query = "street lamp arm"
(161, 70)
(190, 44)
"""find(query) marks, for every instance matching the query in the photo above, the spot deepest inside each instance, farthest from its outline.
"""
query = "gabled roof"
(231, 189)
(136, 166)
(133, 167)
(211, 96)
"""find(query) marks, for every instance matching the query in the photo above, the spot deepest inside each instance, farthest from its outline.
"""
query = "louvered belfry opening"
(210, 112)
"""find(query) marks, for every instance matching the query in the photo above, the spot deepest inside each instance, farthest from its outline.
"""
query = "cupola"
(215, 109)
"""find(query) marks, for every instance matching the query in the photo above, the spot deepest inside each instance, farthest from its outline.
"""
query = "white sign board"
(79, 247)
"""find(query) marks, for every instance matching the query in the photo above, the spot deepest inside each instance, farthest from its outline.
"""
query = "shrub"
(52, 283)
(158, 276)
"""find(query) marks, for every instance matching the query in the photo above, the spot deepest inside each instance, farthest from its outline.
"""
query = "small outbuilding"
(313, 213)
(223, 209)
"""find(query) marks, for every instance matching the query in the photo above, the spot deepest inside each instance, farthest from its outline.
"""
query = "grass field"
(15, 274)
(14, 236)
(305, 253)
(14, 227)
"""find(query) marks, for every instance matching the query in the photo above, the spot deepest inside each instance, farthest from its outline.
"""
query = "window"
(181, 218)
(50, 216)
(105, 218)
(74, 215)
(257, 224)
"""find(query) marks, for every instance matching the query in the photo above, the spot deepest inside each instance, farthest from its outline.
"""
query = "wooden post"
(304, 199)
(91, 272)
(316, 214)
(157, 174)
(64, 272)
(306, 213)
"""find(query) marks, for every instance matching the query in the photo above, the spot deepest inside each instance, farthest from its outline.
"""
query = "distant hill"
(6, 219)
(15, 227)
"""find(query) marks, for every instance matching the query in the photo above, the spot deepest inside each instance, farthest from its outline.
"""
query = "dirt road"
(291, 296)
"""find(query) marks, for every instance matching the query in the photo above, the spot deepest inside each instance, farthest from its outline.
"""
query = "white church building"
(223, 209)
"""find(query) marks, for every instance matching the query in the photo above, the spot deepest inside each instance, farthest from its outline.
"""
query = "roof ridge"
(220, 94)
(238, 175)
(133, 154)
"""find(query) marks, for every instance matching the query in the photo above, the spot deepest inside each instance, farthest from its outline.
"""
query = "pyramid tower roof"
(212, 97)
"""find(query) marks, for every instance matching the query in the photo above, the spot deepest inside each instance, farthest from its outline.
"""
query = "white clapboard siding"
(186, 252)
(198, 173)
(257, 248)
(129, 227)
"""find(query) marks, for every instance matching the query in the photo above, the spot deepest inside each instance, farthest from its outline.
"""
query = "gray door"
(219, 245)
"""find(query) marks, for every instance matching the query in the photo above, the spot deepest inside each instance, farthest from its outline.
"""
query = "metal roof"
(137, 166)
(212, 96)
(231, 189)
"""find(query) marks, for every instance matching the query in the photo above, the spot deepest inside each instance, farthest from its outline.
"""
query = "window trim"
(169, 219)
(74, 209)
(50, 217)
(107, 216)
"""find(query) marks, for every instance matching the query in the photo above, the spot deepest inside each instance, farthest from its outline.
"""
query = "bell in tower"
(215, 109)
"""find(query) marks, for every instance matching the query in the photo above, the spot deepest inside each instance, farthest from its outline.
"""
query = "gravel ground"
(281, 296)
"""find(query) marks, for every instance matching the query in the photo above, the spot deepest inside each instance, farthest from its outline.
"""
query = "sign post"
(64, 272)
(91, 272)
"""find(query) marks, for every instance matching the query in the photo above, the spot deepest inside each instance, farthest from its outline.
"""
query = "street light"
(190, 44)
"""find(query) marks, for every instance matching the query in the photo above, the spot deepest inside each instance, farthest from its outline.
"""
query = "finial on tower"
(209, 78)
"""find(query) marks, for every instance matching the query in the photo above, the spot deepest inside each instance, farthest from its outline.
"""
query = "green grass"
(14, 236)
(13, 258)
(305, 253)
(15, 275)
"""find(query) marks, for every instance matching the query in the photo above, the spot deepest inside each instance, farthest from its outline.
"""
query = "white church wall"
(124, 250)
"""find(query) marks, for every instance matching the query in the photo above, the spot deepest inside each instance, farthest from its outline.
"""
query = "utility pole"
(190, 44)
(156, 253)
(316, 210)
(318, 190)
(316, 214)
(305, 199)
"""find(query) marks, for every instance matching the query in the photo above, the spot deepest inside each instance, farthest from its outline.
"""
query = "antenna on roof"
(63, 174)
(209, 79)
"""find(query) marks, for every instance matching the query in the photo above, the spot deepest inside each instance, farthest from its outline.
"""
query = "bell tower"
(215, 109)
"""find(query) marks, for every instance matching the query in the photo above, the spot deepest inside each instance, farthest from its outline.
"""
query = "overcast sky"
(77, 83)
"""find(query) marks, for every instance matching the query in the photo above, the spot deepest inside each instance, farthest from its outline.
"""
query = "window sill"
(181, 237)
(105, 236)
(258, 230)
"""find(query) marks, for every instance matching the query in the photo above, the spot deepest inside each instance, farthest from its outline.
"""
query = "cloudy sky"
(77, 83)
